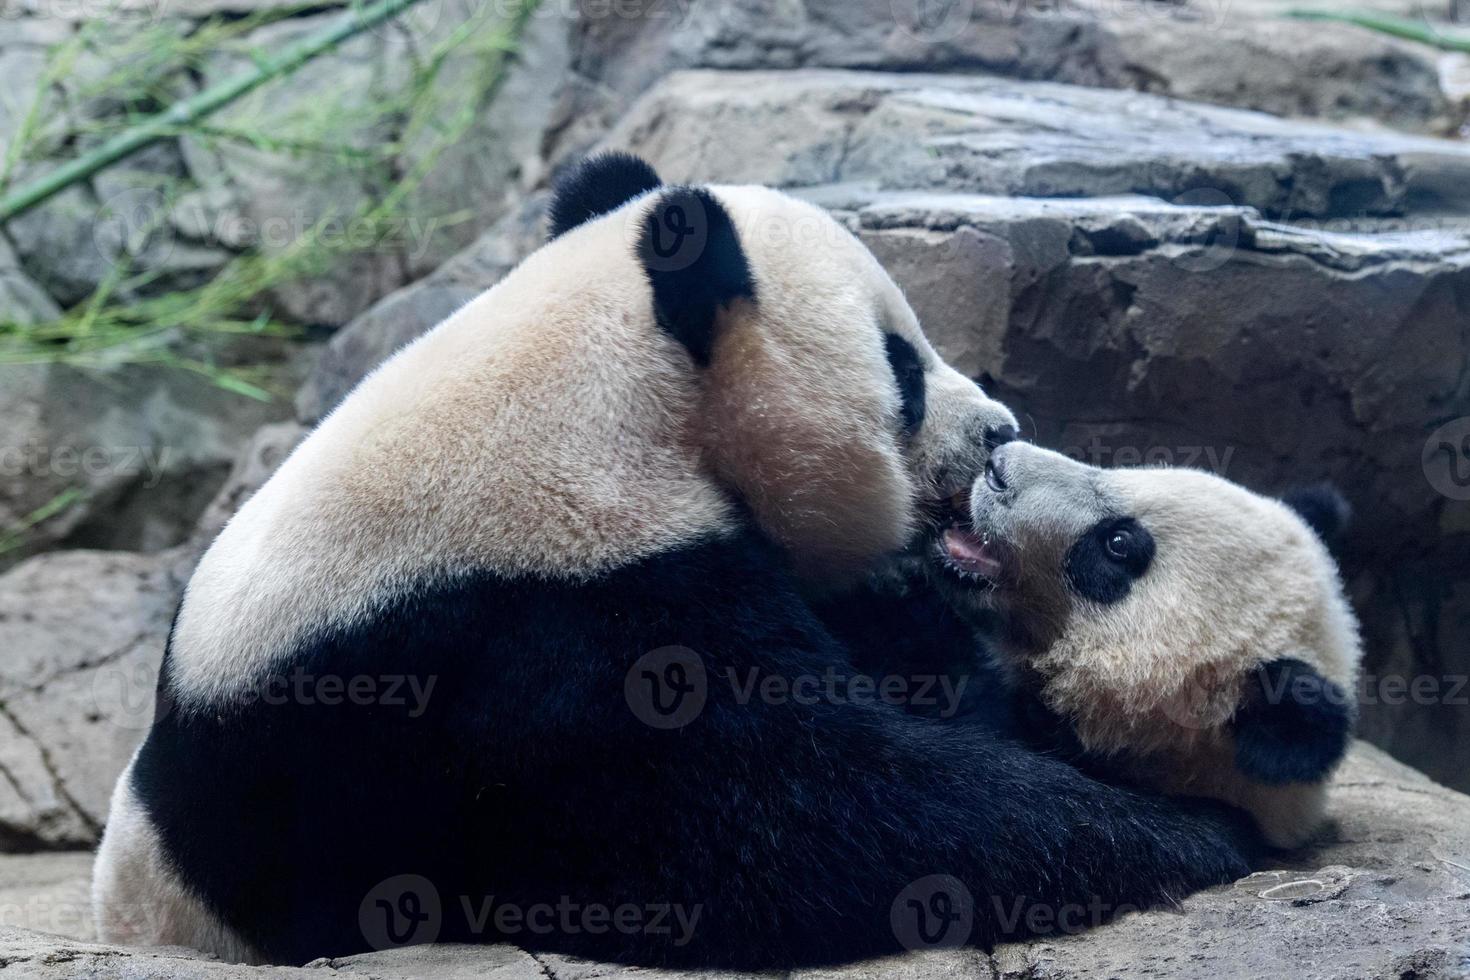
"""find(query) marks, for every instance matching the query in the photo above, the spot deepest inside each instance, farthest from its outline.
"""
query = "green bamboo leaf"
(29, 195)
(14, 538)
(1400, 27)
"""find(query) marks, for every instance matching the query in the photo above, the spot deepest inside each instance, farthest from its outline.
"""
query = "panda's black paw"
(1240, 846)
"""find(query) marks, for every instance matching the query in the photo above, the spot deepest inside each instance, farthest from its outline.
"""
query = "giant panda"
(635, 460)
(1172, 627)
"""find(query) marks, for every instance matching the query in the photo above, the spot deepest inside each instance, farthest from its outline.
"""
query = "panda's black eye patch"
(908, 374)
(1104, 561)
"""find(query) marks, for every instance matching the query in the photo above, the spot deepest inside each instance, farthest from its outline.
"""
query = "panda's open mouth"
(969, 554)
(972, 556)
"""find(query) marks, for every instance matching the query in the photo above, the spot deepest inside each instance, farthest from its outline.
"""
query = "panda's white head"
(674, 364)
(820, 402)
(1173, 619)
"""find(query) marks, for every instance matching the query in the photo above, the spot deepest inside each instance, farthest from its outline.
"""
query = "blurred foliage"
(14, 537)
(148, 65)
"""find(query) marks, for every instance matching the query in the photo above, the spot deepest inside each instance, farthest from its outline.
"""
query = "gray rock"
(82, 634)
(997, 136)
(1384, 894)
(284, 198)
(47, 892)
(397, 319)
(1287, 68)
(1201, 50)
(146, 445)
(74, 242)
(486, 174)
(278, 199)
(81, 637)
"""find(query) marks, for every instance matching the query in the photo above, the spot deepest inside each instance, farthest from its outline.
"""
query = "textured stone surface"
(282, 198)
(397, 319)
(46, 892)
(1385, 894)
(1209, 51)
(82, 634)
(998, 136)
(81, 637)
(146, 446)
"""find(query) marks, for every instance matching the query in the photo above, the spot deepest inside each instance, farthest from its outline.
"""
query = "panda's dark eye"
(1120, 545)
(1104, 562)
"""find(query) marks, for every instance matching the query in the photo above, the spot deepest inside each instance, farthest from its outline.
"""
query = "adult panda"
(630, 461)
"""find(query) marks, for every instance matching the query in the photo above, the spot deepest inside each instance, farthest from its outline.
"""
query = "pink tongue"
(970, 553)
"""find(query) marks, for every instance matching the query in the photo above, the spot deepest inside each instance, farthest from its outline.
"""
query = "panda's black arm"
(896, 628)
(787, 829)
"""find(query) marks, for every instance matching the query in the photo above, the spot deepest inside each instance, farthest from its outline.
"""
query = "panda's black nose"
(999, 435)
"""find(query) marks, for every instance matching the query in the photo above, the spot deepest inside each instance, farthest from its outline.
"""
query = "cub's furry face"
(1165, 614)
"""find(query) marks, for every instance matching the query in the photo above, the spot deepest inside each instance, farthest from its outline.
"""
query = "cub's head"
(819, 401)
(1167, 614)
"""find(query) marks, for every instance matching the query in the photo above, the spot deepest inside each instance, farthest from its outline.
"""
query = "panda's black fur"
(595, 186)
(691, 254)
(790, 827)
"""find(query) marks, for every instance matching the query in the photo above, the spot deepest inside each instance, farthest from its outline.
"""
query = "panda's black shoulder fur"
(785, 830)
(1324, 509)
(1293, 725)
(595, 186)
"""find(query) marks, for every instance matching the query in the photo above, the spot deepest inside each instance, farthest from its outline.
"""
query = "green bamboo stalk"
(1401, 27)
(196, 107)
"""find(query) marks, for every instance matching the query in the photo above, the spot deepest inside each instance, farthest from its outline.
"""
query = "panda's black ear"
(595, 186)
(691, 252)
(1293, 725)
(1323, 508)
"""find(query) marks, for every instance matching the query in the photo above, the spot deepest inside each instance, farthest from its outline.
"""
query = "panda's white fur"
(600, 456)
(616, 452)
(1163, 676)
(137, 899)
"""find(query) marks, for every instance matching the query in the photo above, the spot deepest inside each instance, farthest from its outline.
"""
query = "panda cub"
(1177, 629)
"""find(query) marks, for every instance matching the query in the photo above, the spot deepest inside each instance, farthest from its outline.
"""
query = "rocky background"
(1176, 232)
